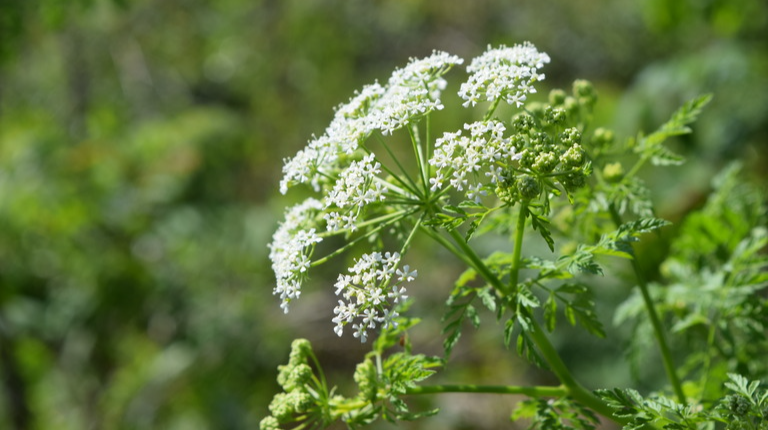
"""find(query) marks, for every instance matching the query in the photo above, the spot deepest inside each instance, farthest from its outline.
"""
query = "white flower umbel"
(468, 163)
(410, 93)
(351, 125)
(414, 91)
(503, 73)
(355, 188)
(366, 293)
(291, 247)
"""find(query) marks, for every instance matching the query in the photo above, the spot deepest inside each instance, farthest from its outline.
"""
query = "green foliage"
(649, 147)
(557, 414)
(744, 408)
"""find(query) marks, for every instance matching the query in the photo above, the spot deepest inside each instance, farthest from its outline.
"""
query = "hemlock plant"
(514, 175)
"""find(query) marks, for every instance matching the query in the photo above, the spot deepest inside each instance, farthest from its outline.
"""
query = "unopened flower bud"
(523, 123)
(545, 162)
(573, 181)
(613, 172)
(505, 190)
(602, 138)
(574, 156)
(570, 136)
(571, 106)
(527, 158)
(528, 187)
(269, 423)
(585, 92)
(557, 97)
(300, 350)
(554, 116)
(365, 377)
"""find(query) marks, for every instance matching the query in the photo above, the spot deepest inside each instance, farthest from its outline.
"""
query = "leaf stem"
(658, 330)
(535, 391)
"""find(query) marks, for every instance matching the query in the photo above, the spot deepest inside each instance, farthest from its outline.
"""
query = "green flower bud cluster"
(573, 181)
(506, 189)
(738, 404)
(366, 378)
(545, 162)
(613, 172)
(295, 378)
(554, 115)
(549, 145)
(528, 187)
(285, 405)
(573, 157)
(523, 124)
(585, 92)
(602, 138)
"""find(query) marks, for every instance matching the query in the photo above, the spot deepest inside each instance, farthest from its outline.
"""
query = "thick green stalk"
(517, 251)
(552, 357)
(658, 329)
(476, 262)
(536, 392)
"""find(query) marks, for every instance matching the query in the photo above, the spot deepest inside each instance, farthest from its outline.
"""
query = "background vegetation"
(140, 148)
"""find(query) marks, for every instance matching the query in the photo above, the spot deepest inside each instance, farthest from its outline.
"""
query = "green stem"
(535, 392)
(658, 329)
(413, 130)
(573, 387)
(350, 244)
(492, 109)
(476, 262)
(411, 186)
(636, 168)
(516, 252)
(377, 220)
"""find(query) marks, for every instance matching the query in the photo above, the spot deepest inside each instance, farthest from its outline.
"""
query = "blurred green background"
(140, 150)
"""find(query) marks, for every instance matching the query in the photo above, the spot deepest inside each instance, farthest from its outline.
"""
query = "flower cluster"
(504, 73)
(366, 293)
(414, 91)
(465, 160)
(410, 93)
(291, 247)
(298, 397)
(355, 194)
(355, 188)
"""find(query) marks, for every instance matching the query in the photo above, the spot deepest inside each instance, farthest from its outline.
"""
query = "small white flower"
(406, 274)
(360, 331)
